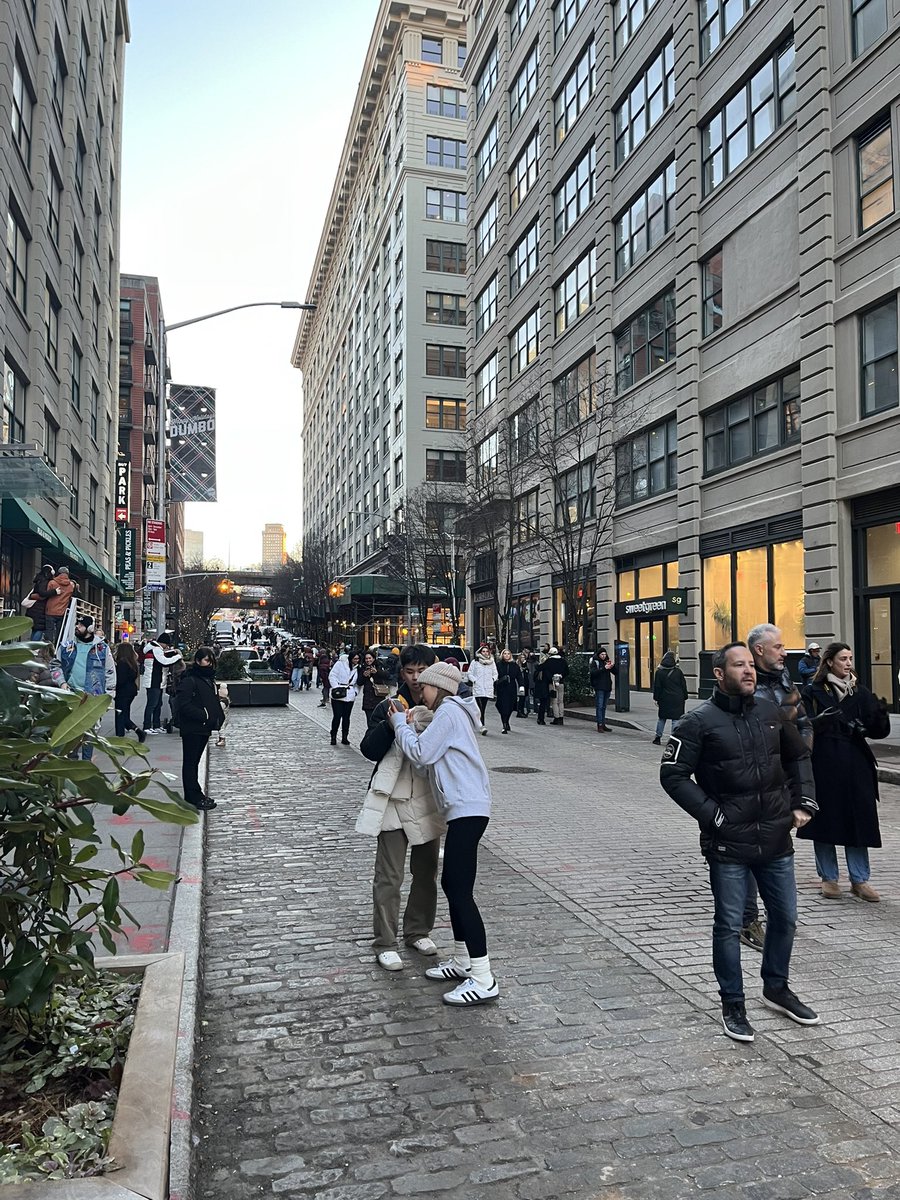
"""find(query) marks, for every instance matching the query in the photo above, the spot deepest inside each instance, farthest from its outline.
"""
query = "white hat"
(814, 646)
(552, 651)
(442, 675)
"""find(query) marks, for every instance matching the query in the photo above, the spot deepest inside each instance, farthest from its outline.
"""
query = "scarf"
(842, 688)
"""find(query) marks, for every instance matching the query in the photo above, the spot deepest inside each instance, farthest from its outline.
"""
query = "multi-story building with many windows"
(384, 355)
(693, 209)
(61, 71)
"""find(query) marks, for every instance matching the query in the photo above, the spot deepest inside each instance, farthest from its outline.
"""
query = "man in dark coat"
(740, 768)
(670, 693)
(549, 686)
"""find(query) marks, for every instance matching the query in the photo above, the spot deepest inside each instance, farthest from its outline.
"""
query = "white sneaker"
(390, 960)
(424, 945)
(448, 969)
(470, 992)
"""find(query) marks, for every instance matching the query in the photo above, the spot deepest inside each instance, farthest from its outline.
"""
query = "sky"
(234, 119)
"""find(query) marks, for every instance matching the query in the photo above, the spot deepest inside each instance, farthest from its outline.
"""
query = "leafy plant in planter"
(230, 667)
(578, 682)
(52, 900)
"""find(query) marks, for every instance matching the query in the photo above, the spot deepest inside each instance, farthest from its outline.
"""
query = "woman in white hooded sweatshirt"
(448, 749)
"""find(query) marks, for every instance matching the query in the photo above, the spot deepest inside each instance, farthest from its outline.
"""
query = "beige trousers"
(421, 905)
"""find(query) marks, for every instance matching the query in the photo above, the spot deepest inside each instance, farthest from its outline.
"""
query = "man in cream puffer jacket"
(400, 810)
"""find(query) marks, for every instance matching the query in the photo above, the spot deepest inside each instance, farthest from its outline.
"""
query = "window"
(574, 294)
(753, 424)
(445, 308)
(711, 287)
(572, 99)
(646, 343)
(75, 482)
(764, 102)
(876, 174)
(432, 50)
(77, 363)
(51, 438)
(398, 369)
(645, 103)
(523, 258)
(59, 81)
(518, 18)
(487, 457)
(442, 412)
(486, 384)
(646, 464)
(486, 156)
(574, 194)
(444, 205)
(743, 588)
(524, 86)
(869, 23)
(97, 215)
(576, 499)
(524, 173)
(442, 102)
(565, 14)
(51, 327)
(525, 343)
(646, 221)
(878, 345)
(445, 152)
(486, 308)
(486, 80)
(84, 53)
(446, 361)
(80, 156)
(523, 433)
(398, 471)
(54, 204)
(398, 218)
(575, 394)
(460, 55)
(628, 16)
(445, 466)
(486, 231)
(14, 390)
(445, 256)
(92, 506)
(22, 111)
(16, 258)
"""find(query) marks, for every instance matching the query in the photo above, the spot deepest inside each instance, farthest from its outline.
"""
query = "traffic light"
(225, 586)
(263, 603)
(336, 590)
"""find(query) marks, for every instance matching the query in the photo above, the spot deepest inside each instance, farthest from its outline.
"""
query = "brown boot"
(865, 891)
(831, 889)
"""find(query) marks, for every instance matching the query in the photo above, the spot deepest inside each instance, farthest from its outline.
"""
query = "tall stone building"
(274, 550)
(384, 356)
(695, 212)
(61, 79)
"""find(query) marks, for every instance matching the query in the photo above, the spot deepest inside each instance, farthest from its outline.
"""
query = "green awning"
(18, 517)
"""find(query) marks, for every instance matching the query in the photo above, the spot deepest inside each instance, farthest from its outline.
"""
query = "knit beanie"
(442, 675)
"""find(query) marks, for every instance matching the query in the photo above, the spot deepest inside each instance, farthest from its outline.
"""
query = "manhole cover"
(517, 770)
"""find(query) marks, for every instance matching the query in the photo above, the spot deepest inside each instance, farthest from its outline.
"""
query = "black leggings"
(341, 710)
(458, 882)
(482, 702)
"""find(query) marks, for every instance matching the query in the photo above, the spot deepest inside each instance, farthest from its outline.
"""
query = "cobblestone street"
(602, 1072)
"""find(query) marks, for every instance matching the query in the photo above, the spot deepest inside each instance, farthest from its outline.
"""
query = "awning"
(30, 528)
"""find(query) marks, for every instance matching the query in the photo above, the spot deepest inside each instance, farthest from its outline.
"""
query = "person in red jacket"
(60, 591)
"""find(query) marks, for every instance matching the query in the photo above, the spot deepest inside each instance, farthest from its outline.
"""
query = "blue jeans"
(779, 892)
(153, 708)
(602, 699)
(827, 863)
(295, 678)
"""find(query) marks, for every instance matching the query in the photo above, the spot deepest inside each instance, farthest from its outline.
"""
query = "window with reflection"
(762, 584)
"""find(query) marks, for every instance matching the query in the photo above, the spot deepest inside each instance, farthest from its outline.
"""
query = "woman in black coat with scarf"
(199, 715)
(670, 693)
(506, 687)
(844, 714)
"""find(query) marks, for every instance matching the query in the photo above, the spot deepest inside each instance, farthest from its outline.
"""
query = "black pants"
(458, 882)
(543, 706)
(192, 747)
(482, 702)
(123, 719)
(342, 711)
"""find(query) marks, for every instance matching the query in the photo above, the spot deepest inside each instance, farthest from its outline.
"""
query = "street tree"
(198, 597)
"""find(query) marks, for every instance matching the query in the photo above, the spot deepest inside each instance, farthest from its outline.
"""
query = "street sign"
(155, 557)
(123, 490)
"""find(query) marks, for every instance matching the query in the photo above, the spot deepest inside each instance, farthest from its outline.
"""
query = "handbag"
(29, 601)
(521, 691)
(338, 693)
(381, 690)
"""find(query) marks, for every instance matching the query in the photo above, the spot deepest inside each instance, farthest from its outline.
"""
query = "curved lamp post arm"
(235, 307)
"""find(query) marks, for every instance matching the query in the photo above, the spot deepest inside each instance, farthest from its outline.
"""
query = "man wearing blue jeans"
(739, 766)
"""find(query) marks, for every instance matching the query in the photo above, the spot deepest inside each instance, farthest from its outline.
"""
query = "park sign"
(672, 604)
(123, 490)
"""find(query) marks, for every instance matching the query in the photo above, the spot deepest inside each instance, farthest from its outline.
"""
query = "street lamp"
(161, 407)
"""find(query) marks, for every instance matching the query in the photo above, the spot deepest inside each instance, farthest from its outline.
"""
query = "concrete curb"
(185, 936)
(621, 722)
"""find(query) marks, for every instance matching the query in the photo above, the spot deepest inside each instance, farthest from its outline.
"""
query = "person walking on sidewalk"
(526, 666)
(128, 675)
(375, 687)
(506, 687)
(406, 818)
(742, 771)
(323, 669)
(448, 748)
(601, 669)
(809, 663)
(159, 655)
(670, 693)
(844, 714)
(554, 671)
(87, 666)
(482, 675)
(199, 716)
(60, 590)
(344, 681)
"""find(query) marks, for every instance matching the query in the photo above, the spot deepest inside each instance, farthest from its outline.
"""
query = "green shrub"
(230, 667)
(578, 683)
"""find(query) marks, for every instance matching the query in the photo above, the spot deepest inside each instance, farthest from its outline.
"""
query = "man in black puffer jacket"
(752, 784)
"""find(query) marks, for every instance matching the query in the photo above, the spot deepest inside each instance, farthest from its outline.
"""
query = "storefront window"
(790, 593)
(626, 585)
(650, 581)
(672, 574)
(587, 615)
(717, 616)
(674, 635)
(882, 556)
(751, 582)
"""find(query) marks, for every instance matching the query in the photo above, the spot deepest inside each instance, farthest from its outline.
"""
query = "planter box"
(239, 693)
(141, 1127)
(255, 693)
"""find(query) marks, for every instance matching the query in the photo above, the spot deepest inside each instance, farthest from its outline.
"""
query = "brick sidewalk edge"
(185, 935)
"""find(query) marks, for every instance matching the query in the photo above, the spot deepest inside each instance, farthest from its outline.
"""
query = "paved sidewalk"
(602, 1072)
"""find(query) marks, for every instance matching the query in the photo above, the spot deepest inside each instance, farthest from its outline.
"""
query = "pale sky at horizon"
(234, 120)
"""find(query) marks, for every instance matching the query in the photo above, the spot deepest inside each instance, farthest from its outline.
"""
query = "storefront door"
(884, 647)
(651, 647)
